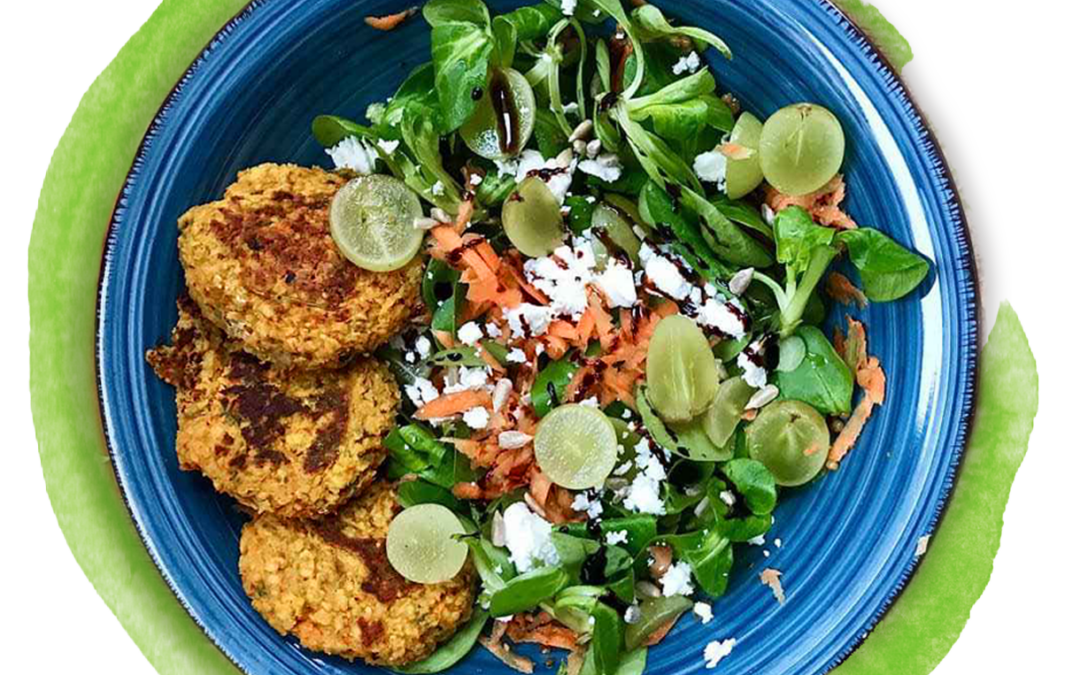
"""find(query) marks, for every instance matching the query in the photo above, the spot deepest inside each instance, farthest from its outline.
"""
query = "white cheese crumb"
(528, 538)
(703, 611)
(558, 181)
(570, 108)
(389, 147)
(616, 538)
(493, 330)
(664, 274)
(507, 167)
(590, 507)
(722, 316)
(475, 179)
(470, 333)
(617, 283)
(607, 167)
(423, 347)
(516, 355)
(778, 543)
(687, 64)
(529, 319)
(678, 580)
(352, 153)
(568, 7)
(757, 541)
(421, 391)
(438, 189)
(563, 277)
(717, 651)
(591, 402)
(711, 167)
(477, 418)
(753, 374)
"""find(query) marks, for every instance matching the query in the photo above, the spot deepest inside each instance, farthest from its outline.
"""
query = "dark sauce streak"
(455, 256)
(609, 101)
(592, 570)
(553, 395)
(477, 93)
(743, 317)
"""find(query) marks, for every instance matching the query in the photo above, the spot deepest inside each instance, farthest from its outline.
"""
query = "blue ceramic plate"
(849, 541)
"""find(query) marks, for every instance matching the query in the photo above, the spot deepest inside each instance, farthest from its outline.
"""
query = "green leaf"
(461, 52)
(653, 24)
(657, 208)
(440, 12)
(452, 651)
(742, 213)
(754, 483)
(607, 639)
(709, 554)
(733, 245)
(329, 130)
(413, 492)
(823, 380)
(418, 87)
(550, 137)
(525, 592)
(581, 212)
(888, 270)
(689, 88)
(640, 530)
(550, 384)
(655, 613)
(492, 563)
(797, 236)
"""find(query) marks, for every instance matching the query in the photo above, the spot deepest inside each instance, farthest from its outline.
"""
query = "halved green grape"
(727, 410)
(791, 439)
(533, 219)
(792, 351)
(576, 446)
(801, 148)
(680, 370)
(421, 546)
(744, 175)
(372, 221)
(503, 121)
(610, 225)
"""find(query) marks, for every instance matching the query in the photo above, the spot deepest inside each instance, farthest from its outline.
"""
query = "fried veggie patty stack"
(296, 443)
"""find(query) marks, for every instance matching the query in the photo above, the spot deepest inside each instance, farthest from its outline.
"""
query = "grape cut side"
(421, 546)
(802, 148)
(372, 221)
(576, 446)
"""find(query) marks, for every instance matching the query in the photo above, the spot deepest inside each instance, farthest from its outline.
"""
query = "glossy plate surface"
(848, 541)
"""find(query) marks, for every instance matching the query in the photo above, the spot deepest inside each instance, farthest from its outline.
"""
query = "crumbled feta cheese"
(643, 494)
(778, 543)
(563, 277)
(717, 651)
(468, 378)
(512, 440)
(528, 320)
(528, 538)
(664, 274)
(493, 330)
(470, 333)
(438, 189)
(616, 538)
(622, 469)
(703, 610)
(757, 541)
(687, 64)
(607, 167)
(477, 418)
(352, 153)
(389, 147)
(723, 317)
(678, 580)
(561, 171)
(710, 290)
(507, 167)
(753, 374)
(421, 392)
(410, 357)
(591, 402)
(590, 507)
(617, 283)
(516, 355)
(475, 179)
(570, 108)
(711, 167)
(423, 347)
(568, 7)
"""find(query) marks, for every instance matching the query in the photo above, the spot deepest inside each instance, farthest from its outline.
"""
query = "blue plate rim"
(972, 325)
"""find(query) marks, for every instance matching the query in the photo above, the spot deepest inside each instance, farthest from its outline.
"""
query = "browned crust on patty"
(295, 443)
(263, 267)
(329, 584)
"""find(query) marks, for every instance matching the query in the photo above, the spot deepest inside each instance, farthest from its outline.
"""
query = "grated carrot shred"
(390, 21)
(839, 288)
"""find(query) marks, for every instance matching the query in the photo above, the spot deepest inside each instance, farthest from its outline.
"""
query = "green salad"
(624, 365)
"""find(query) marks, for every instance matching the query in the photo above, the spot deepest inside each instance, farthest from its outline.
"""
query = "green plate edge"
(76, 202)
